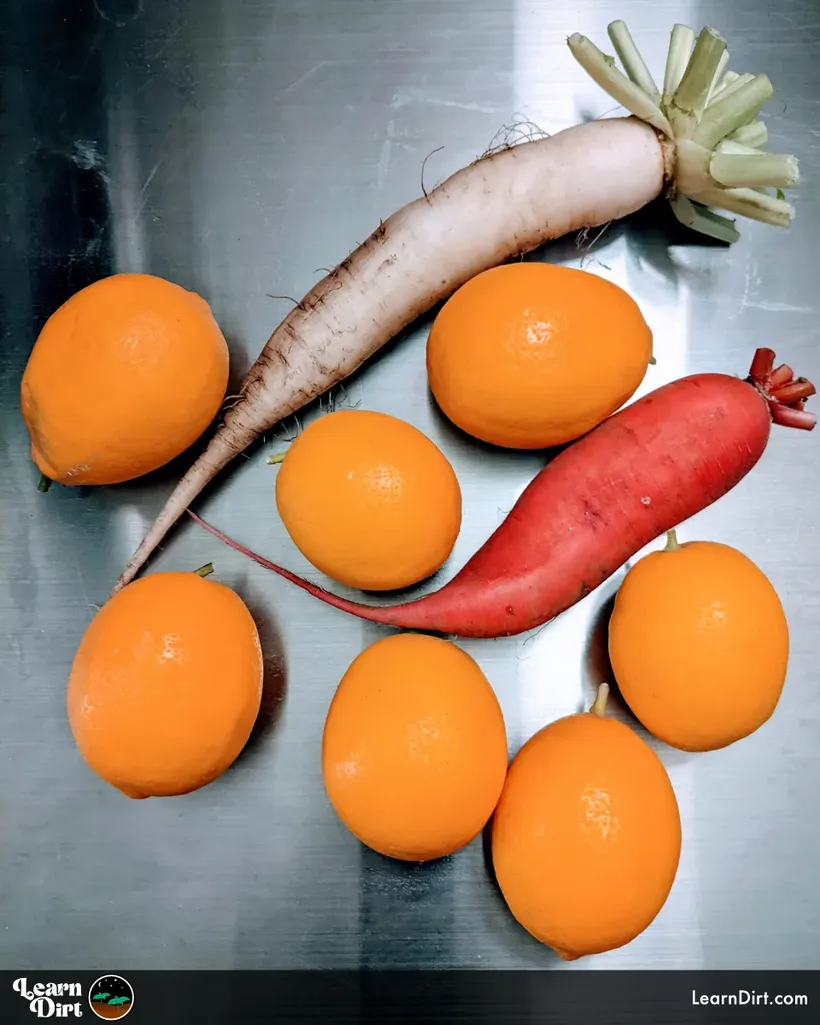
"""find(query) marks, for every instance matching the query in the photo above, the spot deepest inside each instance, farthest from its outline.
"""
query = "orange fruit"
(414, 751)
(699, 644)
(586, 837)
(123, 377)
(369, 500)
(531, 355)
(166, 685)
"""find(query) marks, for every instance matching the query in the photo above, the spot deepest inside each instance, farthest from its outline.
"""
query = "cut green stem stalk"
(206, 570)
(703, 220)
(738, 82)
(728, 78)
(689, 100)
(724, 60)
(758, 206)
(602, 70)
(632, 61)
(761, 170)
(713, 147)
(755, 134)
(720, 88)
(730, 112)
(737, 148)
(278, 457)
(680, 50)
(44, 483)
(700, 71)
(672, 543)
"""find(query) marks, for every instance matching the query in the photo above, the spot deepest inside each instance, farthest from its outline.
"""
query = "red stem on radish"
(782, 375)
(784, 396)
(793, 391)
(789, 416)
(762, 366)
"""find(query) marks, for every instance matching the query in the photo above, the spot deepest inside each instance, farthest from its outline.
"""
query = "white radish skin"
(500, 206)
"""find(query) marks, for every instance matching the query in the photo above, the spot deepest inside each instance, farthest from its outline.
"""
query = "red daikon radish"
(638, 474)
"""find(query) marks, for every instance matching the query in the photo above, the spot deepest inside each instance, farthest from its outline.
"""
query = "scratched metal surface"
(236, 148)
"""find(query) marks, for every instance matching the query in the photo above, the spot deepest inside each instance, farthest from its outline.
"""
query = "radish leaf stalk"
(767, 170)
(729, 87)
(632, 61)
(689, 101)
(680, 49)
(602, 70)
(718, 78)
(728, 78)
(756, 134)
(701, 108)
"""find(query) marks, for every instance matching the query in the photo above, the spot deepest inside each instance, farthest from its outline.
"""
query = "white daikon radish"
(696, 139)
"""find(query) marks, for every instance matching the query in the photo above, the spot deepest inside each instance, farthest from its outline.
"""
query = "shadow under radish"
(648, 235)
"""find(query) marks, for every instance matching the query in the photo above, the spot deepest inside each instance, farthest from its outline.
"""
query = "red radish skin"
(641, 472)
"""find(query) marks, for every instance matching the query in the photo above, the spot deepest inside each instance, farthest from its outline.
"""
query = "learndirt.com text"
(750, 998)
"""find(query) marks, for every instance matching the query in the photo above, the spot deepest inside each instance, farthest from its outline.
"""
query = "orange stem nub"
(599, 705)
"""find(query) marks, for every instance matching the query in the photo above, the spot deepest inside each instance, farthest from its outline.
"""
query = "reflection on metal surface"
(237, 149)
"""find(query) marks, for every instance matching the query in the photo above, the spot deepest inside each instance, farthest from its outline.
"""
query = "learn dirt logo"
(51, 999)
(111, 996)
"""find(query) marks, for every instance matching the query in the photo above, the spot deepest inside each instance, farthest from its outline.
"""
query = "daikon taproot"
(696, 139)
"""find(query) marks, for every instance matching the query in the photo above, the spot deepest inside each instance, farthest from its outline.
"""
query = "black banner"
(569, 997)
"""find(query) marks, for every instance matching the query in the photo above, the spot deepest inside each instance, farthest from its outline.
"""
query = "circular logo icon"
(111, 996)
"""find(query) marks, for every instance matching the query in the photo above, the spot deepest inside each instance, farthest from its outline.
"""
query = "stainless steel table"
(236, 147)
